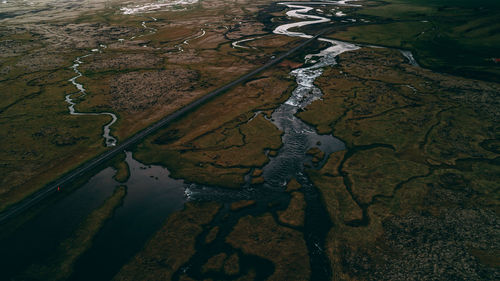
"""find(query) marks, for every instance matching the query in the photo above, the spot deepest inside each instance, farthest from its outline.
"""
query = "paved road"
(52, 187)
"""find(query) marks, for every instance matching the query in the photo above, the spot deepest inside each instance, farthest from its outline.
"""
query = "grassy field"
(422, 157)
(223, 140)
(285, 247)
(41, 141)
(415, 194)
(459, 37)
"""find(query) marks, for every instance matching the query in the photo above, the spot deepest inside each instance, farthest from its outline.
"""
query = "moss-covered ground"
(222, 141)
(429, 27)
(141, 75)
(419, 150)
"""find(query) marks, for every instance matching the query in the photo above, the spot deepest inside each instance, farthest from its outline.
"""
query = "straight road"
(88, 166)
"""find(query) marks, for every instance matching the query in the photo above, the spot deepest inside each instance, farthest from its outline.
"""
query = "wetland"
(365, 155)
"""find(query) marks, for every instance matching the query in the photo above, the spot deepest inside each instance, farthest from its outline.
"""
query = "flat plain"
(411, 195)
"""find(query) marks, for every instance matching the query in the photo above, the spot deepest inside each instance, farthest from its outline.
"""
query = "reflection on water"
(151, 196)
(38, 238)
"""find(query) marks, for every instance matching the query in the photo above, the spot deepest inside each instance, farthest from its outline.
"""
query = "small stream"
(190, 38)
(109, 139)
(237, 44)
(81, 91)
(152, 195)
(289, 163)
(299, 137)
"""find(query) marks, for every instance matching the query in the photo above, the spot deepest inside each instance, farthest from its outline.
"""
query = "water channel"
(152, 195)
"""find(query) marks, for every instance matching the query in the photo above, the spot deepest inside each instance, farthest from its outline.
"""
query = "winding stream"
(152, 195)
(299, 137)
(289, 163)
(158, 6)
(190, 38)
(109, 139)
(236, 44)
(70, 98)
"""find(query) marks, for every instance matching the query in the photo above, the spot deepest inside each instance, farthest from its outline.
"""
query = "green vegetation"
(459, 37)
(367, 170)
(229, 161)
(420, 172)
(60, 265)
(35, 115)
(122, 168)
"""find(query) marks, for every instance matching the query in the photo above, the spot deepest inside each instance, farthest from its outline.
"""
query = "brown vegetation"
(295, 213)
(171, 246)
(139, 84)
(222, 141)
(285, 247)
(60, 265)
(416, 153)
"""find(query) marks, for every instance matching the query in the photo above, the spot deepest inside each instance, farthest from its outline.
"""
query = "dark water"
(289, 163)
(152, 195)
(38, 238)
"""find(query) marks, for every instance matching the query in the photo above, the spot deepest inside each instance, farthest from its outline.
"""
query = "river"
(152, 195)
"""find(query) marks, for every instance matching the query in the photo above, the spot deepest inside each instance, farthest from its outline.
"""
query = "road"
(88, 166)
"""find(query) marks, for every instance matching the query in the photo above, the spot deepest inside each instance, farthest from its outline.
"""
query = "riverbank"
(349, 161)
(139, 85)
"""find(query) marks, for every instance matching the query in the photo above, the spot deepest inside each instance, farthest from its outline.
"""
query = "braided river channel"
(152, 195)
